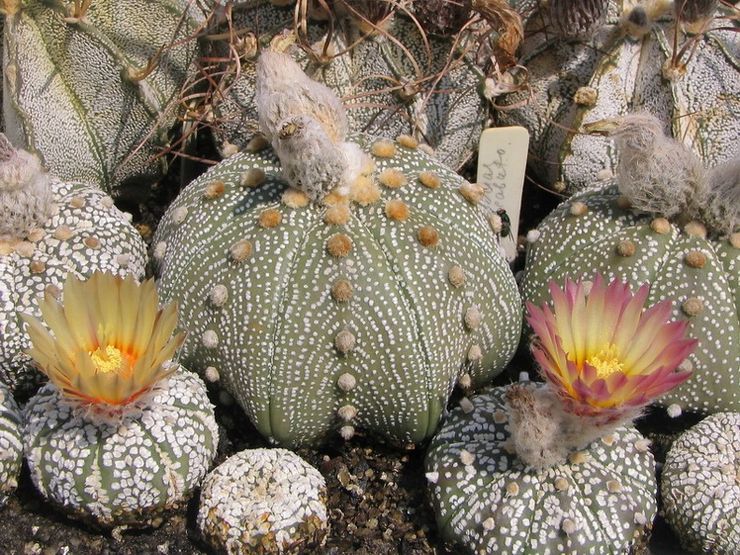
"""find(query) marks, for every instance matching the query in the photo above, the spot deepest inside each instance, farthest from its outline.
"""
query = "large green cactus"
(619, 57)
(392, 82)
(92, 86)
(321, 318)
(601, 501)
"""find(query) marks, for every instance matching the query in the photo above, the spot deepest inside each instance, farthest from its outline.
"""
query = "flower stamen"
(107, 360)
(606, 362)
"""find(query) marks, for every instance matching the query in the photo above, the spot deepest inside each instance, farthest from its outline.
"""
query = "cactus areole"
(92, 87)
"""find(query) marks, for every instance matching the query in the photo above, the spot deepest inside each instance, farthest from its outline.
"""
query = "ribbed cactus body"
(11, 444)
(126, 469)
(85, 232)
(610, 73)
(77, 92)
(320, 319)
(593, 232)
(700, 485)
(486, 501)
(386, 82)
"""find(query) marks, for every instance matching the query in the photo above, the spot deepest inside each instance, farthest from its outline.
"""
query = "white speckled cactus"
(700, 485)
(121, 434)
(88, 83)
(263, 501)
(387, 79)
(601, 501)
(11, 444)
(359, 311)
(677, 229)
(47, 229)
(581, 70)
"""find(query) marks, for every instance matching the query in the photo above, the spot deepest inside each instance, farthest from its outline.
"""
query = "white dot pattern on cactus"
(594, 499)
(578, 246)
(263, 500)
(700, 485)
(124, 469)
(278, 352)
(11, 444)
(60, 254)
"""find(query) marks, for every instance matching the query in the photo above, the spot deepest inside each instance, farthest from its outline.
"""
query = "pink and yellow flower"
(602, 353)
(109, 341)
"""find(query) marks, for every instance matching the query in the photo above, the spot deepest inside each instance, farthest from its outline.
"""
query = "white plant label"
(502, 161)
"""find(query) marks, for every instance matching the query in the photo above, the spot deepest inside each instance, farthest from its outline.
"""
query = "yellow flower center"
(606, 361)
(107, 360)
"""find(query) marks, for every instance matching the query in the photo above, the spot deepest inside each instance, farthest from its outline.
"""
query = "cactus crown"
(25, 194)
(661, 175)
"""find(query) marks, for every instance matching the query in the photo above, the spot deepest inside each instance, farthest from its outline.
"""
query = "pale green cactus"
(11, 444)
(596, 59)
(392, 79)
(601, 500)
(49, 228)
(700, 485)
(93, 87)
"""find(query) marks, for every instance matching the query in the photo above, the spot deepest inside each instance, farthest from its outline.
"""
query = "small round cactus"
(668, 223)
(121, 434)
(588, 60)
(11, 444)
(360, 309)
(700, 485)
(93, 87)
(487, 500)
(393, 79)
(47, 229)
(263, 501)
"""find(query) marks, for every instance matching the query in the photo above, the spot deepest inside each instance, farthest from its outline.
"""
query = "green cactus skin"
(612, 75)
(602, 501)
(587, 234)
(67, 92)
(700, 485)
(263, 501)
(86, 232)
(11, 444)
(268, 326)
(450, 121)
(127, 469)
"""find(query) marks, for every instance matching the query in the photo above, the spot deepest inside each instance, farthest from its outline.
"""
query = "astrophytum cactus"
(92, 86)
(588, 60)
(49, 228)
(557, 467)
(357, 301)
(700, 485)
(11, 444)
(668, 223)
(392, 78)
(601, 500)
(121, 433)
(263, 501)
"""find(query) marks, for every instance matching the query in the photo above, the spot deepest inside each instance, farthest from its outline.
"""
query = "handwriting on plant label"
(502, 161)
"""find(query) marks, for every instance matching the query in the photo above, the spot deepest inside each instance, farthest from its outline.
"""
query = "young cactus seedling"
(144, 431)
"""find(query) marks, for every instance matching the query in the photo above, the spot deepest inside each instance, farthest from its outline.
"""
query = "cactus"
(121, 434)
(676, 229)
(92, 87)
(601, 500)
(361, 310)
(700, 485)
(49, 228)
(580, 70)
(11, 444)
(392, 79)
(263, 501)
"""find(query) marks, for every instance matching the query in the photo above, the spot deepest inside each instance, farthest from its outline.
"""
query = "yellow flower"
(602, 353)
(109, 339)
